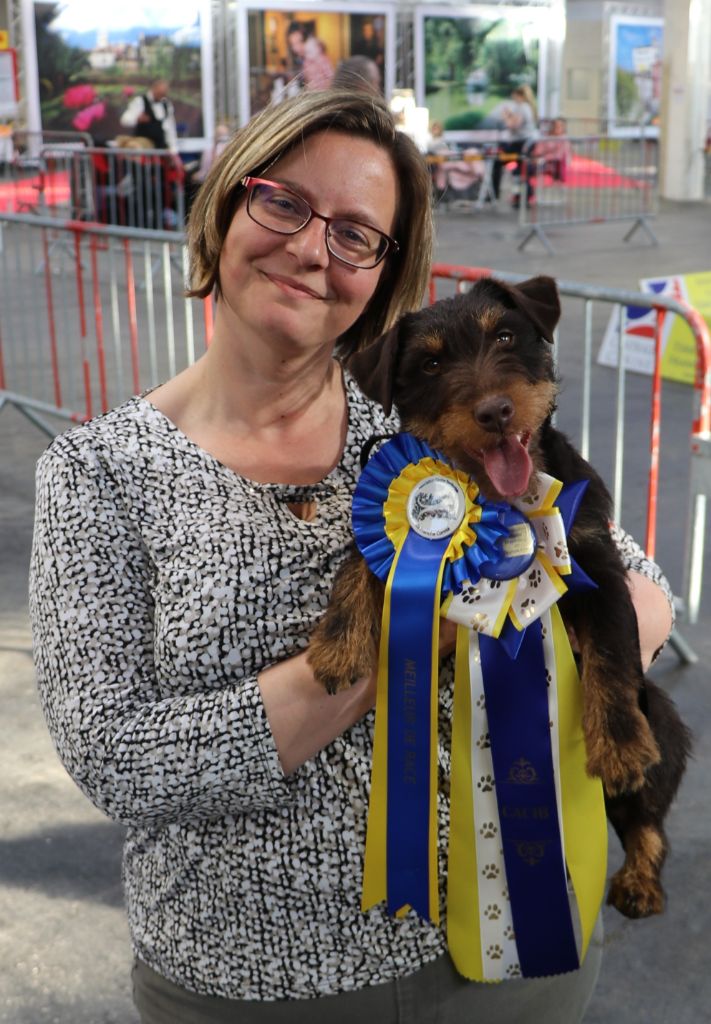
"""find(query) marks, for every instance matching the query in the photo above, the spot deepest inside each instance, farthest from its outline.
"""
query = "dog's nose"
(494, 413)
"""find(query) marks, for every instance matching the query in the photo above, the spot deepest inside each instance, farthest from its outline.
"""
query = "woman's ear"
(373, 368)
(538, 298)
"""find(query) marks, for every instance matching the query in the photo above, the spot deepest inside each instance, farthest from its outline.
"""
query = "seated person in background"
(553, 152)
(453, 175)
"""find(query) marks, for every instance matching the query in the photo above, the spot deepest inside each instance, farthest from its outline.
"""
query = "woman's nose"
(309, 244)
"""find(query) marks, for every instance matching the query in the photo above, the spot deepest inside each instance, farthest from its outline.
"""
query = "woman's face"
(288, 290)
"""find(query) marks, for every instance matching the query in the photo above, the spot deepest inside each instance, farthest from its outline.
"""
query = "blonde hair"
(527, 94)
(273, 133)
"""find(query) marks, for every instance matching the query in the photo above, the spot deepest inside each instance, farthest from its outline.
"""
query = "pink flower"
(84, 118)
(79, 96)
(127, 91)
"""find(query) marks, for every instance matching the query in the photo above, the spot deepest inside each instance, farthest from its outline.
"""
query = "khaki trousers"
(436, 994)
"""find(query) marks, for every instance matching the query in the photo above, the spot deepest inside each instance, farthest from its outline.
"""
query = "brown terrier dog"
(473, 376)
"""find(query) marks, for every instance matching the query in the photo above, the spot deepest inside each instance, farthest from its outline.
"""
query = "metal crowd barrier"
(127, 187)
(699, 418)
(109, 320)
(568, 180)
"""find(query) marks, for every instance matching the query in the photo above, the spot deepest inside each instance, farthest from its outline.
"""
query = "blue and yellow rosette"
(525, 817)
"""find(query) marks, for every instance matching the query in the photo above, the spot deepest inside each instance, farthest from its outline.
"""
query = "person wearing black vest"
(151, 116)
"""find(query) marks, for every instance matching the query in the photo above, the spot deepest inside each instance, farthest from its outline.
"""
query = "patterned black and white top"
(162, 583)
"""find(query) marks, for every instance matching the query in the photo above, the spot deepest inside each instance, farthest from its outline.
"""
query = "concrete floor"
(63, 937)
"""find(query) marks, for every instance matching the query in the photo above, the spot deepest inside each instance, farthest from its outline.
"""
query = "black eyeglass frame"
(250, 182)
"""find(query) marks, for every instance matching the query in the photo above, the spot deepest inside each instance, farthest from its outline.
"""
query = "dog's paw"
(335, 666)
(635, 896)
(622, 761)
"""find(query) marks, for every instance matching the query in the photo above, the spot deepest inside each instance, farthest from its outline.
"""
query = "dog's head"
(473, 376)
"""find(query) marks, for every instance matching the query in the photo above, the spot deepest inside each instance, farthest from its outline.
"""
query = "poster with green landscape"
(469, 59)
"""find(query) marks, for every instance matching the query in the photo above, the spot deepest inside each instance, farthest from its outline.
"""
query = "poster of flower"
(284, 49)
(635, 77)
(87, 75)
(468, 59)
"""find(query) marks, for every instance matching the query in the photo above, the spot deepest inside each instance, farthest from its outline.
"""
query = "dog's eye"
(505, 337)
(431, 364)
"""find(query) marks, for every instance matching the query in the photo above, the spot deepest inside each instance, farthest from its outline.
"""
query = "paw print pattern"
(534, 578)
(480, 701)
(513, 971)
(479, 622)
(494, 952)
(528, 608)
(544, 632)
(470, 594)
(485, 783)
(495, 584)
(492, 912)
(549, 678)
(488, 830)
(490, 871)
(484, 741)
(561, 550)
(546, 531)
(509, 933)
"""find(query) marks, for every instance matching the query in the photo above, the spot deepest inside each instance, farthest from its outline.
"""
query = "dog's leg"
(638, 818)
(619, 742)
(344, 645)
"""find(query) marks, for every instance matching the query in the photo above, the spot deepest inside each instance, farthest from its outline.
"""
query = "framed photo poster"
(635, 75)
(285, 48)
(88, 75)
(468, 59)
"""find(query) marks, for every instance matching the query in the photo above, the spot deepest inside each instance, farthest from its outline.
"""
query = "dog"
(474, 377)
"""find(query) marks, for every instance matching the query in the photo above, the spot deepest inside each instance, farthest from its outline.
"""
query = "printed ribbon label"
(524, 814)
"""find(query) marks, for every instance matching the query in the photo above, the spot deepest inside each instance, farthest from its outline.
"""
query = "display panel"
(284, 49)
(468, 60)
(635, 75)
(87, 76)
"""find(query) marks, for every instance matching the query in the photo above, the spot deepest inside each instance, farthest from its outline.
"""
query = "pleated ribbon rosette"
(528, 836)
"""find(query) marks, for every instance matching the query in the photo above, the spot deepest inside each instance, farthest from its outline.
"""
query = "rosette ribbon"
(525, 818)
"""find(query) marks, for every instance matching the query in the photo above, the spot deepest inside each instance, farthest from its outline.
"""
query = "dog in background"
(473, 376)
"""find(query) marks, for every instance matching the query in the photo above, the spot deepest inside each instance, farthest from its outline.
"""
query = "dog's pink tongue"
(508, 467)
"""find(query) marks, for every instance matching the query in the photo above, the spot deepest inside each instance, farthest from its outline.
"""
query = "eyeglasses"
(277, 208)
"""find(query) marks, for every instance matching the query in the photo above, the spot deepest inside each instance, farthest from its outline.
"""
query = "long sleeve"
(129, 118)
(142, 757)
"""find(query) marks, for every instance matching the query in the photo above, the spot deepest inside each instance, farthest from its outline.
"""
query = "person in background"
(553, 152)
(151, 116)
(194, 177)
(359, 73)
(185, 546)
(519, 115)
(453, 176)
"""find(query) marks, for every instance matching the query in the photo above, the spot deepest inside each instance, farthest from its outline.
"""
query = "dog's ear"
(374, 368)
(538, 298)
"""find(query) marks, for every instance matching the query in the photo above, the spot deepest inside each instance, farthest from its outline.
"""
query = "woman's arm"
(144, 751)
(303, 718)
(651, 596)
(654, 615)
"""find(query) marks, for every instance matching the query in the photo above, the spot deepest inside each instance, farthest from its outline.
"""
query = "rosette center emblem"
(436, 507)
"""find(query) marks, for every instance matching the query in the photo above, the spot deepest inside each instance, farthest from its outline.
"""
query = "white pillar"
(686, 83)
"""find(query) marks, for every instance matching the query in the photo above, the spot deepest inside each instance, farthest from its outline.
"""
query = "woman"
(185, 547)
(519, 118)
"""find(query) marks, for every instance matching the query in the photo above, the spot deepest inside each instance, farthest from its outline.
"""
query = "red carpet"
(26, 195)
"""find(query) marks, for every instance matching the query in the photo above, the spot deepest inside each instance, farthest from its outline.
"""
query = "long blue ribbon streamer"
(413, 602)
(519, 731)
